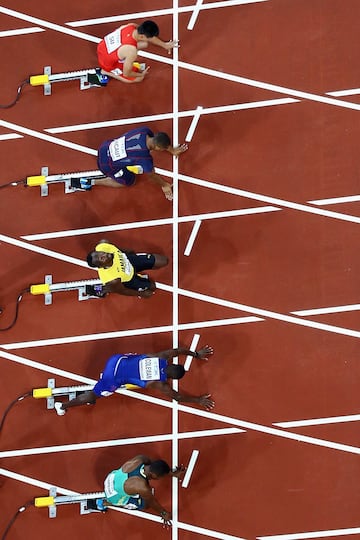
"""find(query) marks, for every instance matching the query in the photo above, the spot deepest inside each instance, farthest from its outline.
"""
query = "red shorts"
(110, 62)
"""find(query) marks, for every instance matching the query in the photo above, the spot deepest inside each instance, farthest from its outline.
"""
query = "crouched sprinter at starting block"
(129, 487)
(121, 159)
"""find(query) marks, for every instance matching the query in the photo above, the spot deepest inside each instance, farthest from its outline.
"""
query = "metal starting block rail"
(48, 288)
(86, 77)
(51, 392)
(44, 179)
(53, 501)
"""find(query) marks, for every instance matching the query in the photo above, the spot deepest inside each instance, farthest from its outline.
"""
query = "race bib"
(149, 369)
(112, 41)
(125, 268)
(117, 149)
(109, 486)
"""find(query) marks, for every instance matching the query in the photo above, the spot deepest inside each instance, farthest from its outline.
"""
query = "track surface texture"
(260, 237)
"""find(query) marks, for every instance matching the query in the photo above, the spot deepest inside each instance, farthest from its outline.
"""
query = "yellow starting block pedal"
(35, 180)
(39, 393)
(42, 288)
(38, 80)
(44, 502)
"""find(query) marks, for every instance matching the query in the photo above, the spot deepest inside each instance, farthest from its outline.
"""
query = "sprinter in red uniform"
(117, 52)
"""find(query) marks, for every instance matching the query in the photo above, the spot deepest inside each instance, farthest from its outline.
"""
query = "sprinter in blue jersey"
(129, 487)
(150, 371)
(121, 159)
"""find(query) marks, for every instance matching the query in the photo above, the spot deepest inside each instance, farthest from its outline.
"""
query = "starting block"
(51, 392)
(53, 500)
(84, 287)
(44, 179)
(74, 181)
(88, 78)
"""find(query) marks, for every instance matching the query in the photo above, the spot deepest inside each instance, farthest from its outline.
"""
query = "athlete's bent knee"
(160, 261)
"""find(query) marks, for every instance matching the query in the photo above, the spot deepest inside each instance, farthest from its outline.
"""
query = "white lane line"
(43, 251)
(21, 31)
(33, 482)
(192, 237)
(49, 25)
(194, 344)
(262, 313)
(268, 86)
(160, 12)
(337, 200)
(128, 333)
(168, 116)
(9, 136)
(194, 124)
(326, 310)
(151, 223)
(252, 426)
(313, 534)
(190, 468)
(79, 378)
(48, 138)
(45, 485)
(318, 421)
(40, 450)
(193, 411)
(134, 513)
(194, 15)
(270, 314)
(341, 93)
(266, 199)
(242, 80)
(182, 219)
(175, 268)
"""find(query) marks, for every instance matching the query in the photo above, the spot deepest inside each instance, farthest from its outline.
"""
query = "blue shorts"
(106, 166)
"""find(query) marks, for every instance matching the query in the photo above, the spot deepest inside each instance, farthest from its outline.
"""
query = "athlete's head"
(148, 29)
(175, 371)
(99, 259)
(161, 141)
(158, 469)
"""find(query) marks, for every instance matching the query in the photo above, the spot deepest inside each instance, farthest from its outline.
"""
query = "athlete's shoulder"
(106, 247)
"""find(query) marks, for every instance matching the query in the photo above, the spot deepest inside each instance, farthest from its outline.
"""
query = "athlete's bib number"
(117, 149)
(109, 485)
(149, 369)
(112, 41)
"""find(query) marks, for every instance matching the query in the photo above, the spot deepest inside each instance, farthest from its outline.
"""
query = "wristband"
(197, 354)
(163, 513)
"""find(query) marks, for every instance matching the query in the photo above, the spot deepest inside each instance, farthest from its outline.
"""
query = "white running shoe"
(58, 408)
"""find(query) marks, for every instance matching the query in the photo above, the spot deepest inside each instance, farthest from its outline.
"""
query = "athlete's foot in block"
(58, 408)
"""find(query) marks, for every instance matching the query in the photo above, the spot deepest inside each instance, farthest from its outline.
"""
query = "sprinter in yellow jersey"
(118, 269)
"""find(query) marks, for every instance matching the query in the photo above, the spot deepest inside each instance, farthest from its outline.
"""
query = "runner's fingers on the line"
(208, 403)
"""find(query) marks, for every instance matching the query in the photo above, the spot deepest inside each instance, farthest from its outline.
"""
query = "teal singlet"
(114, 488)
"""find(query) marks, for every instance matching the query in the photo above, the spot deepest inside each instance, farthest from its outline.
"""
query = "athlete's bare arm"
(167, 45)
(172, 353)
(116, 286)
(138, 485)
(166, 389)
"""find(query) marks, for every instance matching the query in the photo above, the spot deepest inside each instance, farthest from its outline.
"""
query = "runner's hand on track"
(172, 44)
(168, 192)
(206, 402)
(205, 352)
(166, 517)
(179, 472)
(180, 149)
